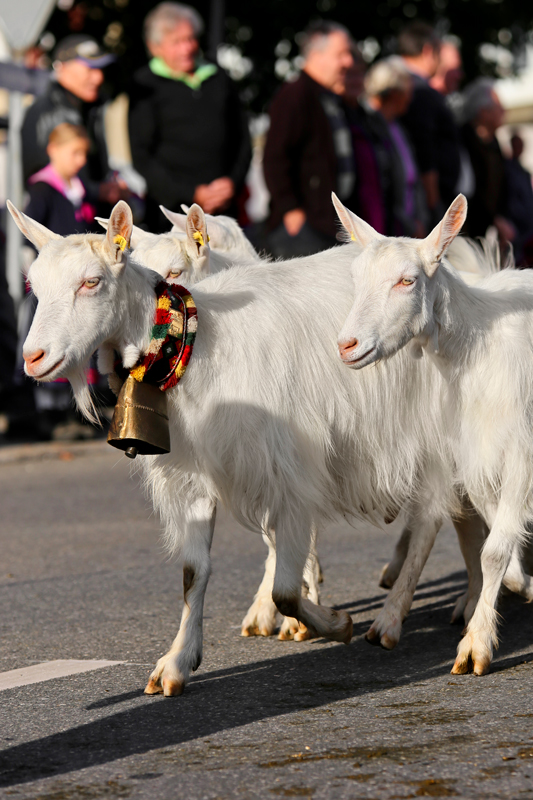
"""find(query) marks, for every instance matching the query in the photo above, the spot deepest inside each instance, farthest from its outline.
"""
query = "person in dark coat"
(488, 206)
(73, 97)
(429, 121)
(309, 149)
(188, 131)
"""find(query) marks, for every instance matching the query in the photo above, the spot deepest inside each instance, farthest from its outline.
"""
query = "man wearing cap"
(73, 97)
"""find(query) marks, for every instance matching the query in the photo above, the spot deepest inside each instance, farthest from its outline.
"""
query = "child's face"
(68, 158)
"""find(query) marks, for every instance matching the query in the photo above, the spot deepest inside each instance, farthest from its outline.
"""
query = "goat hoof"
(481, 666)
(474, 654)
(153, 687)
(250, 630)
(260, 619)
(372, 637)
(303, 634)
(388, 642)
(172, 687)
(289, 629)
(285, 636)
(387, 579)
(462, 666)
(348, 631)
(254, 630)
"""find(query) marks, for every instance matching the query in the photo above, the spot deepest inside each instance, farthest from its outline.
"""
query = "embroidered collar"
(171, 340)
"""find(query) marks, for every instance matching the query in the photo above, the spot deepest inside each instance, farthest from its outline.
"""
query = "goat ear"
(102, 222)
(179, 221)
(359, 230)
(119, 231)
(137, 234)
(197, 238)
(34, 231)
(435, 245)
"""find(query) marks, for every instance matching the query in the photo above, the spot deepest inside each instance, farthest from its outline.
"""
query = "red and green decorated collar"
(171, 340)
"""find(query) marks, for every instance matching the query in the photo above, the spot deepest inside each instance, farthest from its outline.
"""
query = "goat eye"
(175, 273)
(90, 283)
(407, 281)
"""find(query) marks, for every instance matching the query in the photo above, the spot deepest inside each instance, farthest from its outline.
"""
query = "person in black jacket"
(309, 149)
(73, 97)
(188, 132)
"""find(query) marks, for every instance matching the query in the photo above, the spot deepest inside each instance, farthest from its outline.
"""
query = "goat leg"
(172, 671)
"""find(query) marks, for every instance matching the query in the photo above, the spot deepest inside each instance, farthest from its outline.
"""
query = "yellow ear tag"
(121, 241)
(352, 237)
(197, 235)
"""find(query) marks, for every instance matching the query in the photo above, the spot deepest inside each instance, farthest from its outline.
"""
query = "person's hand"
(294, 221)
(223, 189)
(202, 196)
(214, 196)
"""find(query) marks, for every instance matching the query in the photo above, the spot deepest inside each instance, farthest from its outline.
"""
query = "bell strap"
(171, 340)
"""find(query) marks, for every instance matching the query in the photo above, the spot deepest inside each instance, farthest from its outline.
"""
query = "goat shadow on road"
(298, 681)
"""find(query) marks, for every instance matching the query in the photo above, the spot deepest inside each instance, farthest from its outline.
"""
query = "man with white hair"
(188, 132)
(309, 151)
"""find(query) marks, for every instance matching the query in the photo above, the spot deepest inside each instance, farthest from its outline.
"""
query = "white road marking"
(49, 670)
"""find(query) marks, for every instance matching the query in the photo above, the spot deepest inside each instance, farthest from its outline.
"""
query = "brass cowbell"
(140, 420)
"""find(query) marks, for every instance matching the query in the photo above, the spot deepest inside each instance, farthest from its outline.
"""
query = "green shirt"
(202, 73)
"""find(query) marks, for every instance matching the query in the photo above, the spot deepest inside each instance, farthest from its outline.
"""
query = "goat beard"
(82, 395)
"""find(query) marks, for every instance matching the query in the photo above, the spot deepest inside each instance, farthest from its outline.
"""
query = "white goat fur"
(265, 419)
(481, 340)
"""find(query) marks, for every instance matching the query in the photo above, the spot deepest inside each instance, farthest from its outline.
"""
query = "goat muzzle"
(345, 348)
(33, 359)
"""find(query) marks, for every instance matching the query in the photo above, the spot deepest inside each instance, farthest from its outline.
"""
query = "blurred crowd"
(396, 141)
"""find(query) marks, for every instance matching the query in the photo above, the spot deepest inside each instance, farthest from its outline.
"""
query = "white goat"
(167, 254)
(481, 340)
(265, 419)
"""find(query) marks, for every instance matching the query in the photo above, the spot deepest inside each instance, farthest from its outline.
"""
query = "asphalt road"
(83, 576)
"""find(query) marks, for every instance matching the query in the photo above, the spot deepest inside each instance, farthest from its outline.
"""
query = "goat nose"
(346, 347)
(33, 359)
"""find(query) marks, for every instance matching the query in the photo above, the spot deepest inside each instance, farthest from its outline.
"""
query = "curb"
(61, 451)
